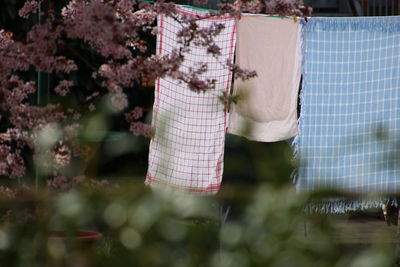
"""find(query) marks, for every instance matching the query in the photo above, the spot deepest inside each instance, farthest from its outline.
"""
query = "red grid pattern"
(187, 150)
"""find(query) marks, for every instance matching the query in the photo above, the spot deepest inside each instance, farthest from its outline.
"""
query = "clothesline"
(193, 7)
(207, 9)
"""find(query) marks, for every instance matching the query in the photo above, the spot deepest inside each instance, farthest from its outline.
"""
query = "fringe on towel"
(340, 205)
(384, 24)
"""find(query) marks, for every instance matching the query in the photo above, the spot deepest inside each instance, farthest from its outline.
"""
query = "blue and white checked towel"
(350, 106)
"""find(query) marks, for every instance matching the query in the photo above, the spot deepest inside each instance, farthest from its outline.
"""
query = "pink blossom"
(125, 10)
(160, 7)
(42, 47)
(253, 6)
(5, 39)
(13, 57)
(16, 91)
(112, 86)
(118, 75)
(97, 24)
(161, 66)
(232, 10)
(28, 116)
(62, 155)
(16, 135)
(140, 128)
(29, 7)
(241, 73)
(281, 7)
(62, 64)
(145, 16)
(11, 162)
(214, 50)
(64, 183)
(135, 114)
(60, 183)
(94, 95)
(63, 87)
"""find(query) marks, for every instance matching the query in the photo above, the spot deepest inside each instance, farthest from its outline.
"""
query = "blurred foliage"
(164, 228)
(256, 220)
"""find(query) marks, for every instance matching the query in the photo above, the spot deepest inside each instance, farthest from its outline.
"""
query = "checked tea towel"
(350, 107)
(187, 150)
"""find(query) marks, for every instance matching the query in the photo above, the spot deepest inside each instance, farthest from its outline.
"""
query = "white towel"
(188, 148)
(267, 110)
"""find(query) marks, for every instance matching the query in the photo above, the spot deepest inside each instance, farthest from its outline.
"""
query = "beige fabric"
(267, 110)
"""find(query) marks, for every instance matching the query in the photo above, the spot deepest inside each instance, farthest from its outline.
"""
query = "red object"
(80, 235)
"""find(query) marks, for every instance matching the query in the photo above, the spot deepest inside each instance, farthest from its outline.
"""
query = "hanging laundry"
(350, 109)
(267, 106)
(188, 148)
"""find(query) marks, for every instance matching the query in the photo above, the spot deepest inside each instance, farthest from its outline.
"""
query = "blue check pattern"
(350, 105)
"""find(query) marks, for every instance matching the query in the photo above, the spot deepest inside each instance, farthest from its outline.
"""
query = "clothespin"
(236, 4)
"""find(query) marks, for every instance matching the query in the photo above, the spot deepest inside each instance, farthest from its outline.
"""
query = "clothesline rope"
(212, 10)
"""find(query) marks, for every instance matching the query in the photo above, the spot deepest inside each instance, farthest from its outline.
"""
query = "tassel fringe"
(389, 24)
(345, 205)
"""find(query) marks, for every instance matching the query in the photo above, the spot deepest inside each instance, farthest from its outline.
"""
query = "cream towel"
(267, 110)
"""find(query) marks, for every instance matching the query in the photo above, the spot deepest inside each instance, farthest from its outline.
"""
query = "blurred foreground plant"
(164, 228)
(99, 53)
